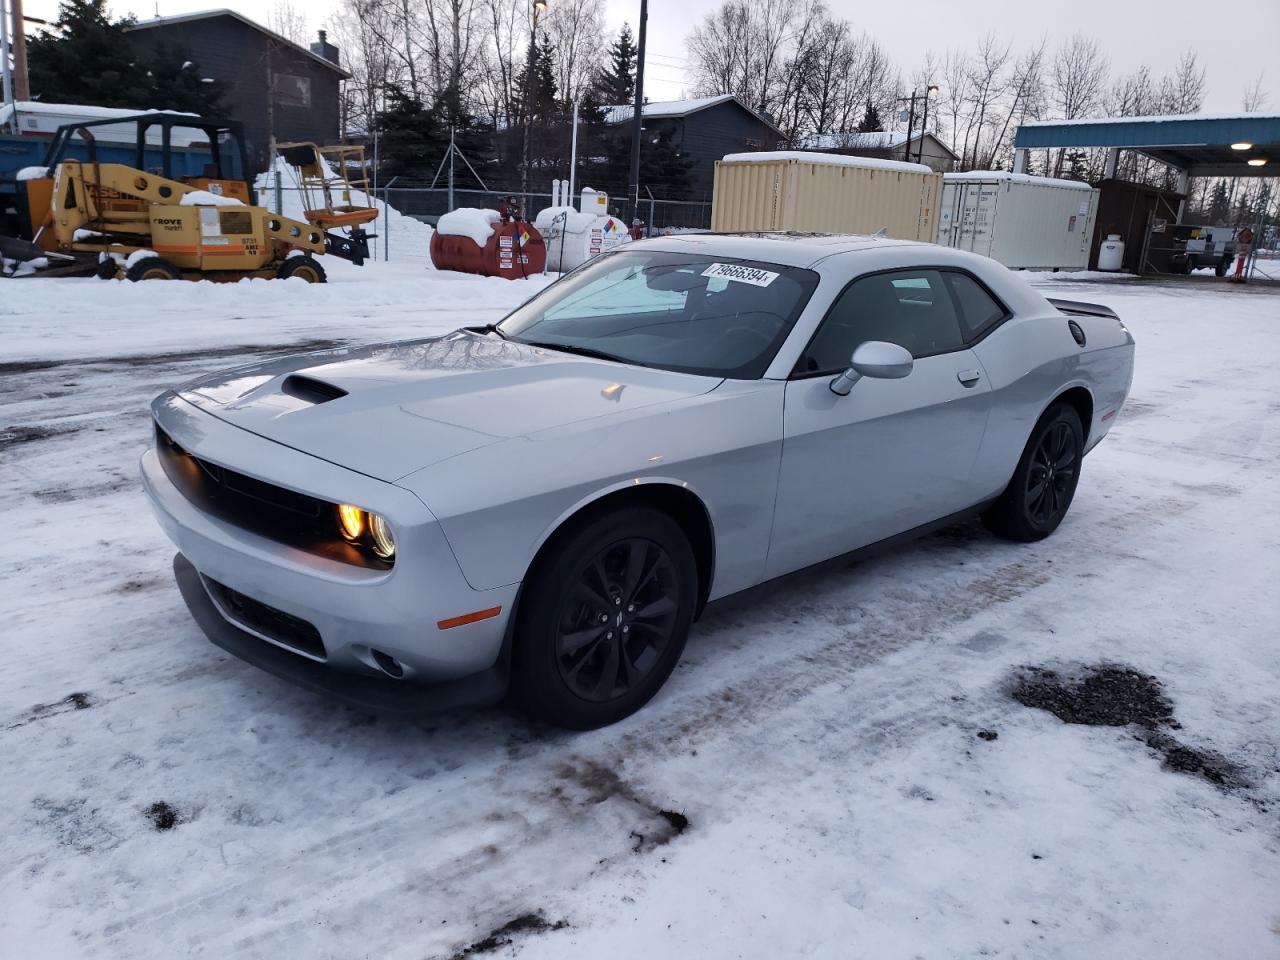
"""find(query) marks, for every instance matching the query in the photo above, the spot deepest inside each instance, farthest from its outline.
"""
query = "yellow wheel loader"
(182, 209)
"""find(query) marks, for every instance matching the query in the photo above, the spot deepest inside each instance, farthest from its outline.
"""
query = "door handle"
(969, 377)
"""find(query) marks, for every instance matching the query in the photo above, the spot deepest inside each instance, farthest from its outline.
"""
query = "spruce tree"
(88, 58)
(871, 122)
(617, 84)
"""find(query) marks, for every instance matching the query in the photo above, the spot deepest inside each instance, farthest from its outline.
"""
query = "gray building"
(884, 145)
(279, 90)
(704, 130)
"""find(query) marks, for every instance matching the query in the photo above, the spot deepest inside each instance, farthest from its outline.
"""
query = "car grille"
(283, 628)
(276, 513)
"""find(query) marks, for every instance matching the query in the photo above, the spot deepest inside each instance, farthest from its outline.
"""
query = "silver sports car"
(545, 505)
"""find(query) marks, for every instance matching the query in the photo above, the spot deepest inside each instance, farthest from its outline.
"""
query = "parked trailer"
(1024, 222)
(824, 193)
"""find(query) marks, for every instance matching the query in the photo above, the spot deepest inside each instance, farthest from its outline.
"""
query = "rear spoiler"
(1081, 309)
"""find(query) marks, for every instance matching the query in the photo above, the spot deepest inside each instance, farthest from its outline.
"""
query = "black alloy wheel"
(1044, 482)
(618, 619)
(603, 617)
(1051, 478)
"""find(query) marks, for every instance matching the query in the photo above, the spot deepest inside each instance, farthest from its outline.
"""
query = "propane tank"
(1111, 253)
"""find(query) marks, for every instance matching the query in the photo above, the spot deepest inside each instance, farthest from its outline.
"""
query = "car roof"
(788, 249)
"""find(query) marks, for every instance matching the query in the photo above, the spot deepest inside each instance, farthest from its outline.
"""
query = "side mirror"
(875, 358)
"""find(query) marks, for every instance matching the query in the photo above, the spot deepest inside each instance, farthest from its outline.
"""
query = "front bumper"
(382, 694)
(356, 618)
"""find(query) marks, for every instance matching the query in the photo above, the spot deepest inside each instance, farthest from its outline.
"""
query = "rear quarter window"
(979, 310)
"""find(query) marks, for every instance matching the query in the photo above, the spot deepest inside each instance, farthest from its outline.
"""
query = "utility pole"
(529, 68)
(21, 83)
(637, 118)
(911, 122)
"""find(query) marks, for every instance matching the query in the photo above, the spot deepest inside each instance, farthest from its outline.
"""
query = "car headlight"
(355, 522)
(350, 521)
(384, 544)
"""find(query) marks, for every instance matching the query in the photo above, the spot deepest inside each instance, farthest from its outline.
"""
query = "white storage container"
(824, 193)
(1111, 253)
(1024, 222)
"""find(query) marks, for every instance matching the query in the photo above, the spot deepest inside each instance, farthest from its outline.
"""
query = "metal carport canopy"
(1199, 145)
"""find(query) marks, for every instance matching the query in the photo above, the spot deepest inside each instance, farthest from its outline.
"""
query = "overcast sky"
(1235, 42)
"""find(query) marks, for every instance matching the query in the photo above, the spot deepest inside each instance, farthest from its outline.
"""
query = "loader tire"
(153, 268)
(304, 268)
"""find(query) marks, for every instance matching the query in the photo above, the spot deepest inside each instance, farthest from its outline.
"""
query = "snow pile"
(137, 256)
(828, 159)
(399, 235)
(469, 222)
(203, 198)
(32, 173)
(1004, 176)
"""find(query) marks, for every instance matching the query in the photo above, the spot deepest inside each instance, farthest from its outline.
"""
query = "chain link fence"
(426, 205)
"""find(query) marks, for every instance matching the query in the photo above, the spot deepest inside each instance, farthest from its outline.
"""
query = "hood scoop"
(309, 389)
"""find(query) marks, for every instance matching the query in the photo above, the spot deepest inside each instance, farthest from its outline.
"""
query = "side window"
(979, 311)
(911, 308)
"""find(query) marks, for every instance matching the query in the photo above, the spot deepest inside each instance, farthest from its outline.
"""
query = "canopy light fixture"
(1242, 146)
(1257, 161)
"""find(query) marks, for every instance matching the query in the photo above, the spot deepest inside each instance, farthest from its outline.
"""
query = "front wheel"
(151, 268)
(303, 267)
(1044, 481)
(604, 619)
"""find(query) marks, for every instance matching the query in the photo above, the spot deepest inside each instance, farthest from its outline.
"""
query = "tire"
(306, 268)
(1033, 504)
(153, 268)
(1220, 270)
(604, 618)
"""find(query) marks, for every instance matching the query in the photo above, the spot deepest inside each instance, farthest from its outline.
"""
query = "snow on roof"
(224, 12)
(621, 113)
(72, 111)
(1166, 118)
(830, 159)
(987, 176)
(872, 140)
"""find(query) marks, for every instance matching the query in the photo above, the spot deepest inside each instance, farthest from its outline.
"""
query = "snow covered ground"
(856, 778)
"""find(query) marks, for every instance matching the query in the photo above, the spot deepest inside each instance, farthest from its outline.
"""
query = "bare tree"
(576, 30)
(1183, 90)
(1255, 97)
(1079, 81)
(288, 21)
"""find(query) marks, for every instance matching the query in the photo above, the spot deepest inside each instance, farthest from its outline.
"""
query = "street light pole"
(924, 124)
(637, 115)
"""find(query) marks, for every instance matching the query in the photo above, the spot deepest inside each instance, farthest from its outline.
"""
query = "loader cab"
(207, 154)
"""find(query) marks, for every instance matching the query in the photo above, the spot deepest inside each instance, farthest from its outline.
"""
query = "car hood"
(391, 409)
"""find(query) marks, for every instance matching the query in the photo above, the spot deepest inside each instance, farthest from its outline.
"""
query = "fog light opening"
(387, 664)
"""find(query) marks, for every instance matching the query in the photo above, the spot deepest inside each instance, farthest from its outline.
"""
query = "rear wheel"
(1221, 269)
(604, 619)
(153, 268)
(1044, 482)
(304, 268)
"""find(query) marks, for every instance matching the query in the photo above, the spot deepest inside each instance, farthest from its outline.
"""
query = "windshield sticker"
(735, 271)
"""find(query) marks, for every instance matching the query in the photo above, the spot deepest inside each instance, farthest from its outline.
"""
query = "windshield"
(692, 313)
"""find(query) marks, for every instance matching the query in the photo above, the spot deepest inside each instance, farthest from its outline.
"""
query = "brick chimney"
(325, 50)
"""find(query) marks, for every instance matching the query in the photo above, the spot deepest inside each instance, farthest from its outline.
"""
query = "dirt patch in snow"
(163, 816)
(1109, 695)
(72, 701)
(14, 436)
(601, 783)
(1106, 696)
(503, 936)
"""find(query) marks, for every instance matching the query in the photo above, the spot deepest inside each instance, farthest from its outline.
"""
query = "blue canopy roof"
(1200, 145)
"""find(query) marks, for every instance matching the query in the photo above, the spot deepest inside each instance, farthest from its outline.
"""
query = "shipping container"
(1024, 222)
(824, 193)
